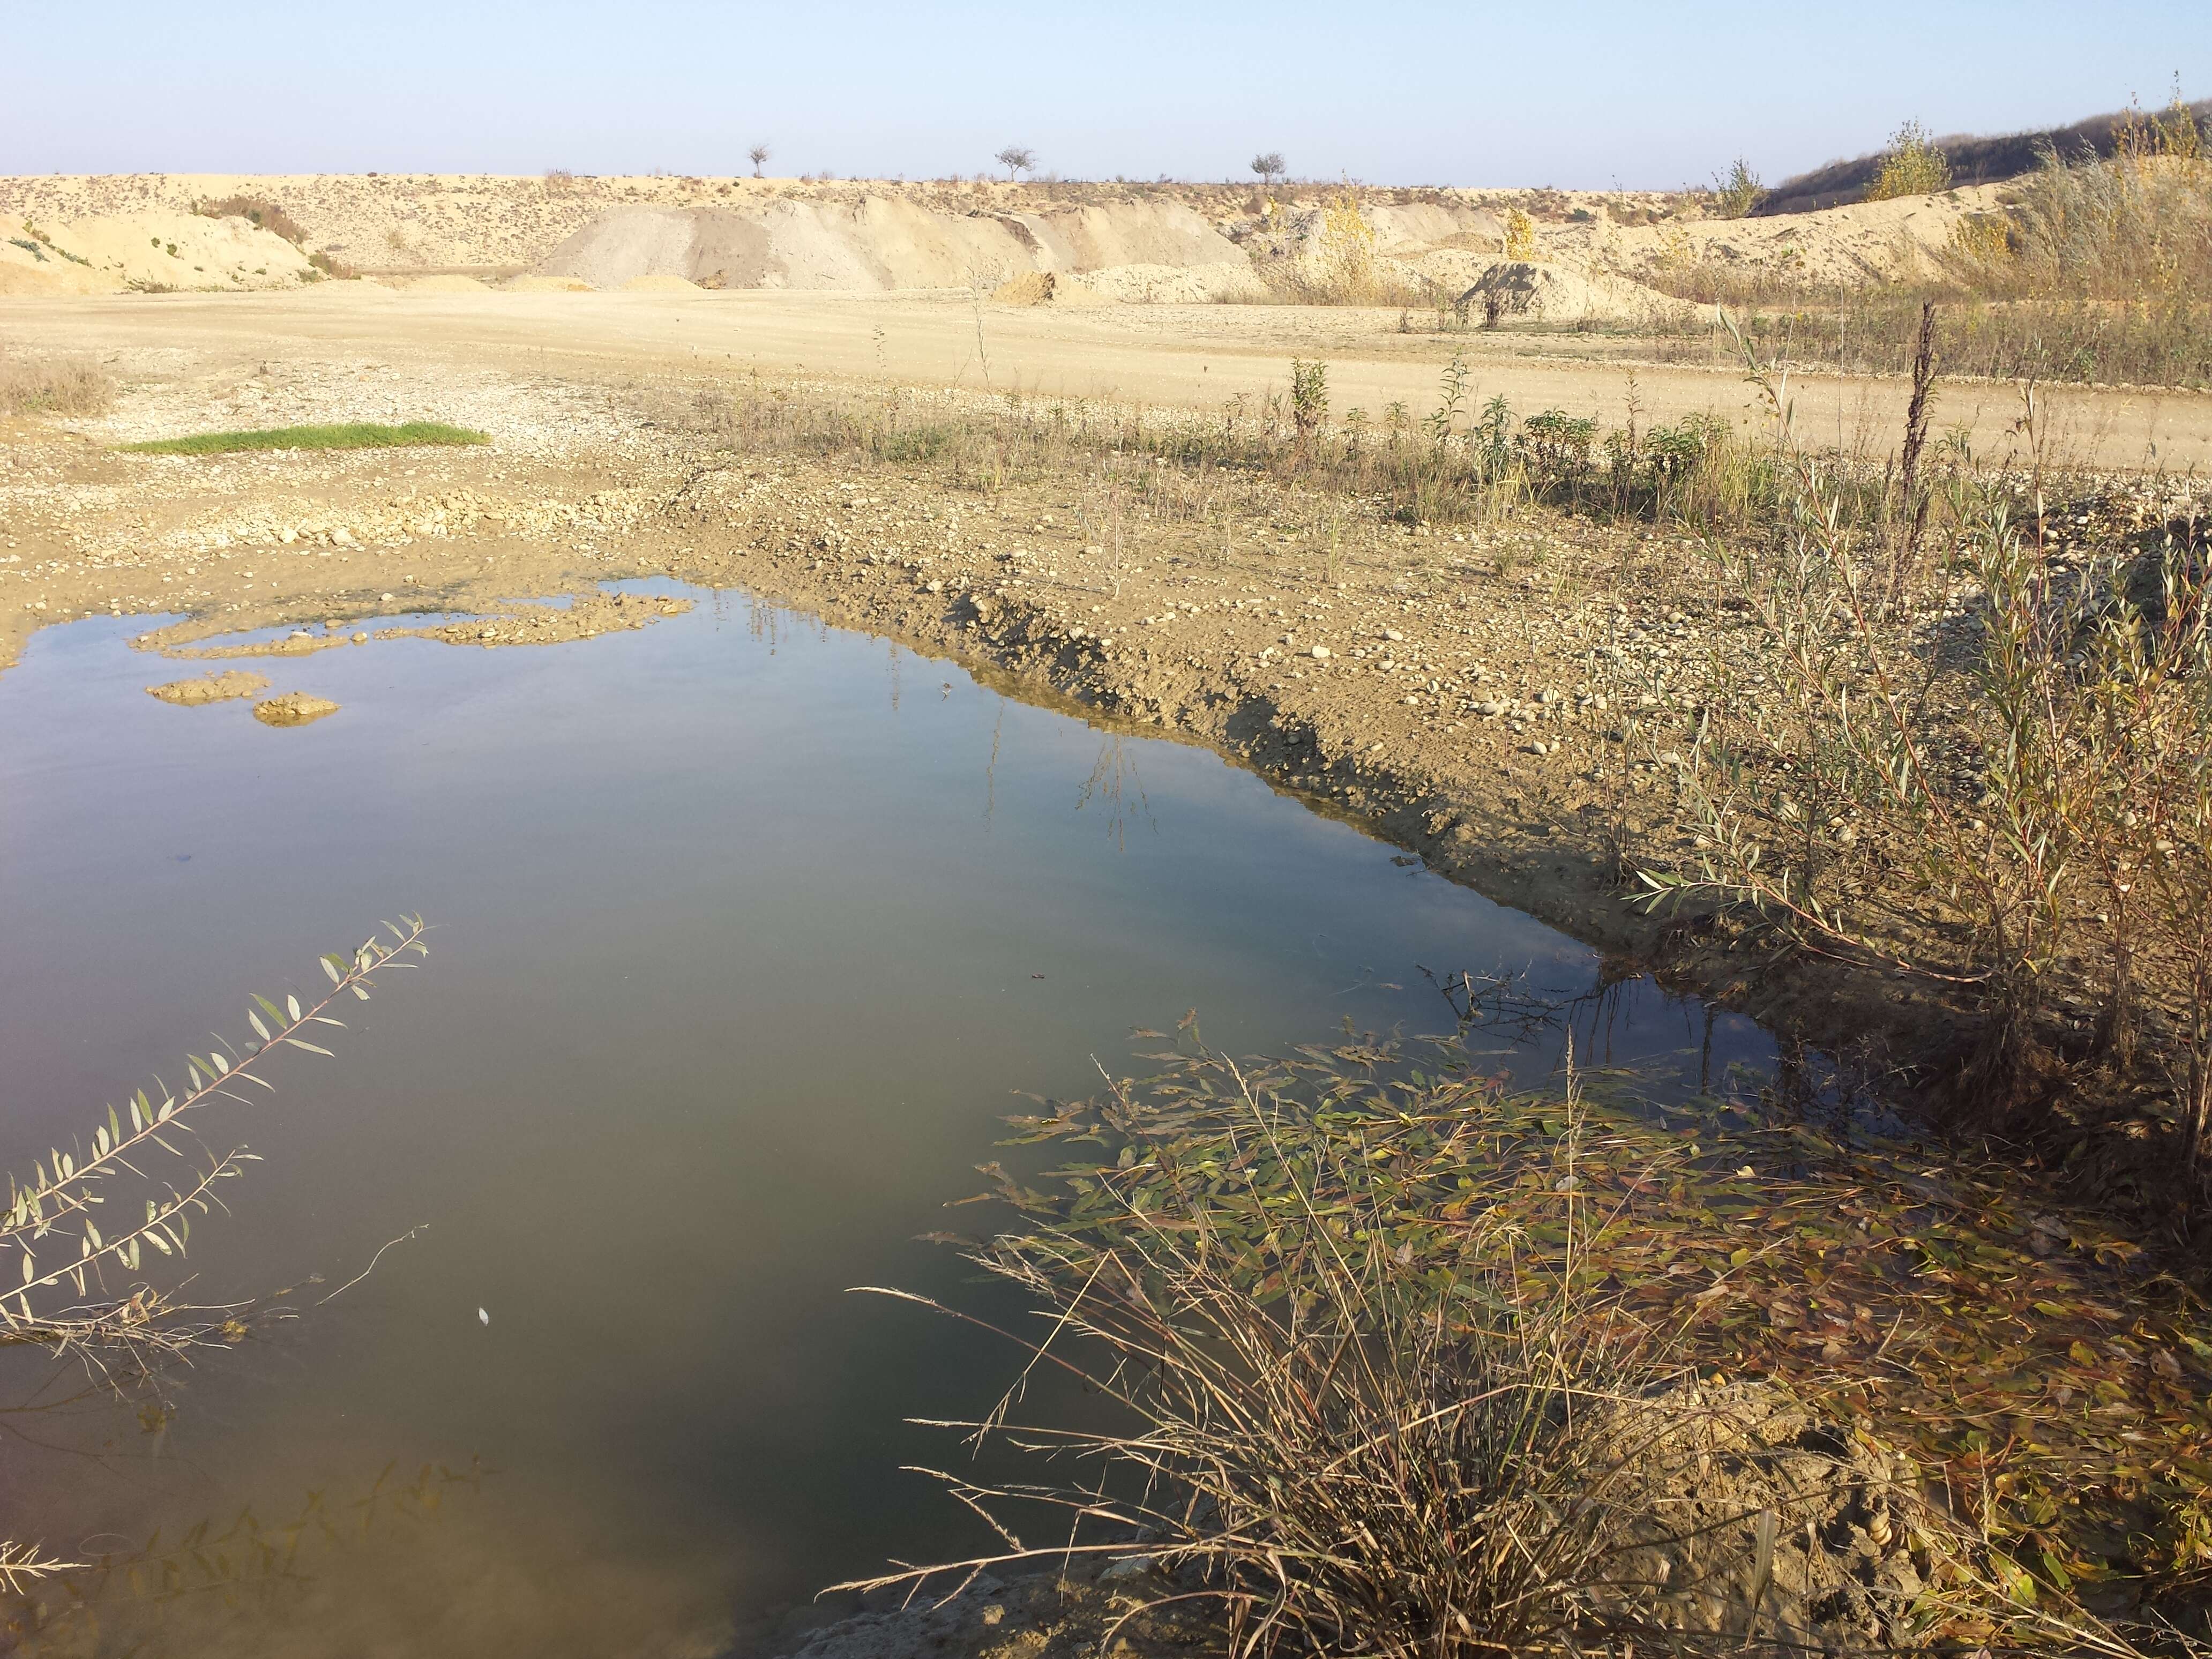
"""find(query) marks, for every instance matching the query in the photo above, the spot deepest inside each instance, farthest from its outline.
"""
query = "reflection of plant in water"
(1113, 775)
(250, 1557)
(1502, 1002)
(73, 1285)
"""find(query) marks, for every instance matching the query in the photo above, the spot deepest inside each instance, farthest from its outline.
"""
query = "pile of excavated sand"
(879, 243)
(1864, 242)
(391, 221)
(660, 282)
(1047, 288)
(1303, 234)
(149, 251)
(1522, 290)
(1032, 287)
(30, 266)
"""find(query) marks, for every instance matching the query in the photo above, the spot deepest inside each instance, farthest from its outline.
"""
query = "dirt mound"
(210, 688)
(1524, 291)
(1866, 242)
(156, 251)
(879, 243)
(1032, 287)
(293, 709)
(877, 236)
(29, 263)
(1312, 246)
(661, 282)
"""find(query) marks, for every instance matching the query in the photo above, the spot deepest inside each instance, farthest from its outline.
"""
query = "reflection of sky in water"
(748, 931)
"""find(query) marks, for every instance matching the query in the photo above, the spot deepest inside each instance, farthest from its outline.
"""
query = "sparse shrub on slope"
(1736, 195)
(1520, 241)
(1912, 166)
(265, 214)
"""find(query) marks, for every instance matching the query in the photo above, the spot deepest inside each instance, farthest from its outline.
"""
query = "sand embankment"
(1152, 243)
(885, 243)
(153, 251)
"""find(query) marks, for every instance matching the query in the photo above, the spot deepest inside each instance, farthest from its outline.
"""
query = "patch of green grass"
(354, 434)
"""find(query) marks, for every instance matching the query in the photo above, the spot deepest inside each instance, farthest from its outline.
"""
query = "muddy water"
(747, 932)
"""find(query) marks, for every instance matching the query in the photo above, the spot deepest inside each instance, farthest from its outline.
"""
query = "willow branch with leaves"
(57, 1259)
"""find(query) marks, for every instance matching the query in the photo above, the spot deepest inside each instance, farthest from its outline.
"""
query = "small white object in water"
(482, 1318)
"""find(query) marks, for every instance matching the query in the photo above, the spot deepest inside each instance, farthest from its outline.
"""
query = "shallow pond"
(747, 933)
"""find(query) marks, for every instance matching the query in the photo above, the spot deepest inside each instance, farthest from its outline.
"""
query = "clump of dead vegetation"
(53, 386)
(1406, 1364)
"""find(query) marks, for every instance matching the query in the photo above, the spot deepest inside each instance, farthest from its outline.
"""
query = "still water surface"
(747, 933)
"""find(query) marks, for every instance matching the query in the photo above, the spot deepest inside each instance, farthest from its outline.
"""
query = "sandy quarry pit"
(1506, 705)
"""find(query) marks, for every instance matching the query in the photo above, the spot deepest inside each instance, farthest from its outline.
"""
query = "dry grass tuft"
(53, 386)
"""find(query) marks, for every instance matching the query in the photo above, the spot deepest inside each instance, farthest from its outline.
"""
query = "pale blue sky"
(1476, 93)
